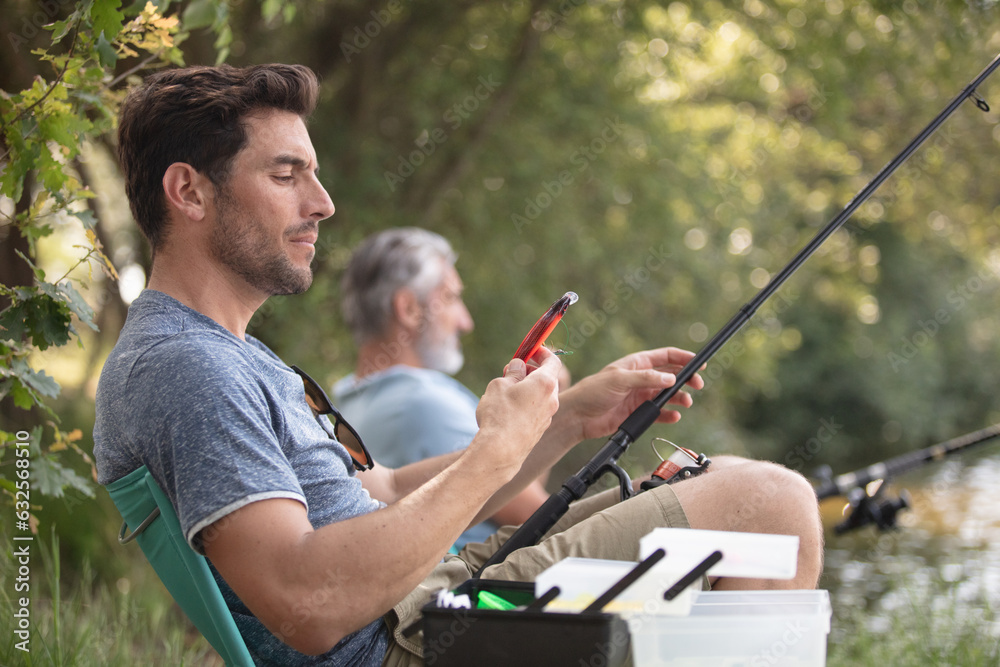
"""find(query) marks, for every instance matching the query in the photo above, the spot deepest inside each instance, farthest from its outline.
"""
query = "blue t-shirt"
(406, 414)
(221, 422)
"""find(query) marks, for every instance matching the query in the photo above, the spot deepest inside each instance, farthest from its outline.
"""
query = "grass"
(923, 629)
(78, 619)
(81, 619)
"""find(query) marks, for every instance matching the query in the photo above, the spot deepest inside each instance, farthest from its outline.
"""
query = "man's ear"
(407, 309)
(187, 190)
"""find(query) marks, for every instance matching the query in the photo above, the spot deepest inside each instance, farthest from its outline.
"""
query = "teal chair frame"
(185, 573)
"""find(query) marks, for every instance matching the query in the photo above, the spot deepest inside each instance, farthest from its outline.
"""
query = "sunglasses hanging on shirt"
(345, 434)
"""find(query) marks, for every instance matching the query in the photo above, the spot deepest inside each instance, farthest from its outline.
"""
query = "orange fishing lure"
(544, 326)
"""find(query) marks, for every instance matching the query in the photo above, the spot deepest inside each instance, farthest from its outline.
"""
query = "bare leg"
(758, 497)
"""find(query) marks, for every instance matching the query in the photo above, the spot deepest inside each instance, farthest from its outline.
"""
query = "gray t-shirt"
(220, 423)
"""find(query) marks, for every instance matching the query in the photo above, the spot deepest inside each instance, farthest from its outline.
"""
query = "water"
(945, 554)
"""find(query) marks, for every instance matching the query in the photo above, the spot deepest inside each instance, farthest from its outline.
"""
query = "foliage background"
(743, 129)
(661, 159)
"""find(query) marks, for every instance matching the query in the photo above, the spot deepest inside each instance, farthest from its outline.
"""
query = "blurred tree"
(664, 160)
(63, 96)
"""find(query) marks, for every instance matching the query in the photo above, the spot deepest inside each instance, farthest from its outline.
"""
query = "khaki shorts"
(595, 527)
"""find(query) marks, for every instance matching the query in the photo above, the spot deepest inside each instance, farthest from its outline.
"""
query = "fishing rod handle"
(533, 529)
(575, 486)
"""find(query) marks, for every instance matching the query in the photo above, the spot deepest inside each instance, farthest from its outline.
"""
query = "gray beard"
(439, 357)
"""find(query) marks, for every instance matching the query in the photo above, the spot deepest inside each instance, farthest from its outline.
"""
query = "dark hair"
(197, 115)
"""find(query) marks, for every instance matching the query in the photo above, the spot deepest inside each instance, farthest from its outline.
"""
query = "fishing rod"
(644, 416)
(874, 505)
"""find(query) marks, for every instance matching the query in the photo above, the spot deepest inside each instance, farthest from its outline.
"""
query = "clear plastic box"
(755, 555)
(737, 629)
(583, 580)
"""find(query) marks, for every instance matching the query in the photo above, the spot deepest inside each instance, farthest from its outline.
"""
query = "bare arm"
(593, 407)
(311, 587)
(391, 484)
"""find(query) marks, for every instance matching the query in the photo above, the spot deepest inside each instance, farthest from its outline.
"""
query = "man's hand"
(601, 402)
(517, 409)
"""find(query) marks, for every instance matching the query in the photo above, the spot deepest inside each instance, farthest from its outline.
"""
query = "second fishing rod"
(606, 459)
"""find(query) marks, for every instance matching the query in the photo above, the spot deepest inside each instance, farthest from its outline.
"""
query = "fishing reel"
(867, 505)
(680, 465)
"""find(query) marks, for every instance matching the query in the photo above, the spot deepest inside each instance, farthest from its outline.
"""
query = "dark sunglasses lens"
(316, 399)
(352, 443)
(346, 436)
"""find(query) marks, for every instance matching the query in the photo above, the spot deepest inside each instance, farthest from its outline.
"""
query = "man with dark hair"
(207, 135)
(317, 552)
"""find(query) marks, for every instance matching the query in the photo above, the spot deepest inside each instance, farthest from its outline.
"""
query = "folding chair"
(147, 510)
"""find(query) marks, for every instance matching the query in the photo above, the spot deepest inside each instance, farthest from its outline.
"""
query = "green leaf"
(105, 52)
(65, 128)
(60, 29)
(39, 272)
(199, 14)
(33, 230)
(38, 381)
(12, 324)
(51, 173)
(136, 8)
(85, 216)
(225, 38)
(21, 160)
(80, 308)
(45, 320)
(53, 323)
(21, 395)
(56, 126)
(270, 9)
(222, 43)
(107, 19)
(52, 479)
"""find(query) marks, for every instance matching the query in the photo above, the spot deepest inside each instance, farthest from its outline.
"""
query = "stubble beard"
(238, 243)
